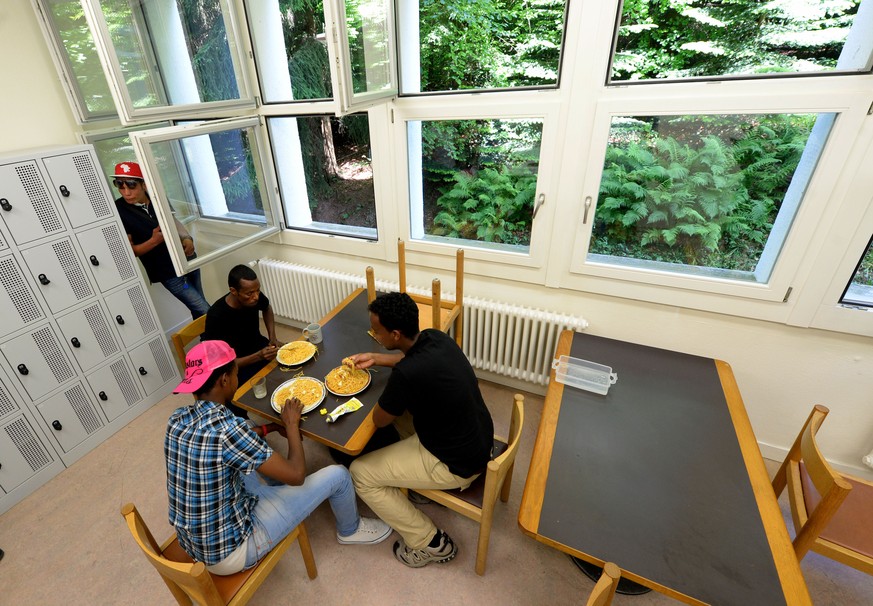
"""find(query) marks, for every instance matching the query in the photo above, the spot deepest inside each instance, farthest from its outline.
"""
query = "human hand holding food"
(291, 412)
(269, 352)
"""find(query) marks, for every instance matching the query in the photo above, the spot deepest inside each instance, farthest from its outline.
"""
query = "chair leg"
(484, 538)
(436, 322)
(371, 285)
(306, 551)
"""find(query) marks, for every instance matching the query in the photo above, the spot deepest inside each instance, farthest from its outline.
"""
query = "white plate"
(306, 409)
(295, 345)
(354, 393)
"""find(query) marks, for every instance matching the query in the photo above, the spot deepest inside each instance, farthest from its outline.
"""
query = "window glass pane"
(860, 289)
(112, 149)
(689, 38)
(369, 34)
(487, 44)
(474, 180)
(71, 28)
(325, 173)
(290, 49)
(710, 194)
(172, 53)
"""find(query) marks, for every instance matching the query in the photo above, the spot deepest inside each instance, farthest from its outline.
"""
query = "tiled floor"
(67, 543)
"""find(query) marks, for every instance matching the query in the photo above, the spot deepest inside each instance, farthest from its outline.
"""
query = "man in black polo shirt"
(432, 381)
(145, 235)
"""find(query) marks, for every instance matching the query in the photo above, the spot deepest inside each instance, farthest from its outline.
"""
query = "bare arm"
(143, 247)
(270, 324)
(291, 471)
(185, 237)
(382, 418)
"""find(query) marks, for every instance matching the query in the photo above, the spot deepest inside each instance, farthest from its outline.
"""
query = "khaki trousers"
(378, 477)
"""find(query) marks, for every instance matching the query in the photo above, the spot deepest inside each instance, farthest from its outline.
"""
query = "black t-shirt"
(139, 223)
(436, 383)
(240, 328)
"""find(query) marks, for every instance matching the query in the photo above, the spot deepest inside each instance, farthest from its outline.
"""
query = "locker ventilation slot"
(48, 345)
(2, 241)
(87, 415)
(91, 183)
(167, 371)
(16, 287)
(118, 249)
(97, 322)
(72, 269)
(125, 382)
(143, 313)
(31, 450)
(39, 198)
(7, 404)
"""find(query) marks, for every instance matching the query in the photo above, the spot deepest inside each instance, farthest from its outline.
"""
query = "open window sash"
(362, 52)
(163, 63)
(212, 181)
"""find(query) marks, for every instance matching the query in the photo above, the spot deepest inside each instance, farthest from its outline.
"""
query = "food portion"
(295, 352)
(308, 390)
(349, 363)
(345, 382)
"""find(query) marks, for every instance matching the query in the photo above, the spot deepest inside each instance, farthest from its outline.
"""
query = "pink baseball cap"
(128, 170)
(201, 361)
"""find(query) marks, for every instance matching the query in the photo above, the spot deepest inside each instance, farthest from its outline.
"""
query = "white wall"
(781, 371)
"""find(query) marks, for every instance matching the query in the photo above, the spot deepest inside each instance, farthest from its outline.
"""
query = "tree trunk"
(331, 168)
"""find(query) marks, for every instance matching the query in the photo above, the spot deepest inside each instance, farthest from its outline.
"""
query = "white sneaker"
(370, 531)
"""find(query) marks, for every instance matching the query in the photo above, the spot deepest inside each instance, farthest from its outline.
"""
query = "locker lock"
(94, 261)
(4, 203)
(23, 369)
(103, 396)
(43, 279)
(57, 425)
(119, 319)
(64, 191)
(75, 342)
(143, 371)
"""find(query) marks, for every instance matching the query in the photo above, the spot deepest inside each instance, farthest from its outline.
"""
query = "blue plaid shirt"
(208, 449)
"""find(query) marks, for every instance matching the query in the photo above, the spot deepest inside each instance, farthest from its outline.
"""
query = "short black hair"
(396, 311)
(213, 378)
(240, 273)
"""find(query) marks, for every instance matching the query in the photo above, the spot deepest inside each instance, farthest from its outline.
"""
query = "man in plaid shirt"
(224, 514)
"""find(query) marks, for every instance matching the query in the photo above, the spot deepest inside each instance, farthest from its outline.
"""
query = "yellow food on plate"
(295, 352)
(343, 381)
(308, 391)
(349, 363)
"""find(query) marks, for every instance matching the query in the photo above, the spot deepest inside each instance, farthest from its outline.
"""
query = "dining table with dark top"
(663, 476)
(344, 332)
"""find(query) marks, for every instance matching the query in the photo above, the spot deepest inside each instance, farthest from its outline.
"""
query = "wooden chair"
(478, 500)
(186, 334)
(189, 580)
(433, 312)
(604, 589)
(832, 512)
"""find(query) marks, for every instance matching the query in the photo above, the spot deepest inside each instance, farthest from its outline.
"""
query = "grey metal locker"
(18, 304)
(107, 255)
(58, 273)
(22, 452)
(70, 416)
(38, 361)
(26, 205)
(88, 333)
(153, 365)
(79, 187)
(115, 387)
(131, 313)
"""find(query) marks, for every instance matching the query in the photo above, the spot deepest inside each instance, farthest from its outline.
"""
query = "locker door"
(59, 274)
(79, 187)
(22, 452)
(18, 304)
(70, 417)
(131, 313)
(108, 255)
(38, 360)
(90, 336)
(114, 386)
(153, 365)
(26, 204)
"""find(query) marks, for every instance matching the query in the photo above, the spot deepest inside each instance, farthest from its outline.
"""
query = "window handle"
(541, 199)
(587, 206)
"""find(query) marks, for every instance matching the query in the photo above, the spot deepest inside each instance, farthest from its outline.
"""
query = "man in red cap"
(147, 239)
(224, 515)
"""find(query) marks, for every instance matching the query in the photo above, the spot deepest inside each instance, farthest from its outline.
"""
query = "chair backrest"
(186, 334)
(187, 581)
(503, 463)
(604, 589)
(829, 484)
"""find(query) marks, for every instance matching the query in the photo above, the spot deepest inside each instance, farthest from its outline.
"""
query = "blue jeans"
(281, 507)
(189, 291)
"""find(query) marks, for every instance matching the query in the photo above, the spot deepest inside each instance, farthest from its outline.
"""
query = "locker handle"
(119, 319)
(57, 425)
(5, 204)
(94, 261)
(75, 342)
(23, 369)
(43, 279)
(64, 191)
(103, 396)
(143, 371)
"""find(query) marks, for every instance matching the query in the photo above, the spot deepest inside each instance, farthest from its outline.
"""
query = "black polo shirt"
(139, 223)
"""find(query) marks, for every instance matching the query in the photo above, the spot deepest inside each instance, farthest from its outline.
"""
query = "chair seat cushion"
(852, 525)
(227, 586)
(475, 492)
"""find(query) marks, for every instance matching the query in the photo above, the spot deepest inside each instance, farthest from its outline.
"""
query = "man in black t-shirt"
(234, 318)
(452, 432)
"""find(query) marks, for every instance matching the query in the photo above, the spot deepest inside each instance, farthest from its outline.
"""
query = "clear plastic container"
(583, 374)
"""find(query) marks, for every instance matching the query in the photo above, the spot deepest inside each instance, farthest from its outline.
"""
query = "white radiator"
(508, 340)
